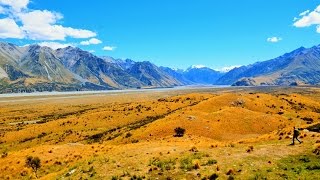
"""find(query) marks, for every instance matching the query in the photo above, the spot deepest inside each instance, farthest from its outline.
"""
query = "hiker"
(296, 134)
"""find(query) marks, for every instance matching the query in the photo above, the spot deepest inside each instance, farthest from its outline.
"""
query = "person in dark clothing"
(296, 134)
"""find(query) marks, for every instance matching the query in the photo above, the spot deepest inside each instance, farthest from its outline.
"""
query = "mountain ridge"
(298, 67)
(39, 68)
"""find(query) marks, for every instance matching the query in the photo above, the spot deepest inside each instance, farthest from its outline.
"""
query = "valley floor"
(230, 133)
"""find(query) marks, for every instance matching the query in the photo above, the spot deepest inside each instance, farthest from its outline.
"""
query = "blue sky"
(171, 33)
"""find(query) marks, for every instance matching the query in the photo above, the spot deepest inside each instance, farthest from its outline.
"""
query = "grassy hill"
(229, 133)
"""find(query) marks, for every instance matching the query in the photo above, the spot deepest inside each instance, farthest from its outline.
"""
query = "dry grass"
(132, 135)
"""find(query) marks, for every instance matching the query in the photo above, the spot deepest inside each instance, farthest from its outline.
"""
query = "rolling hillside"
(242, 134)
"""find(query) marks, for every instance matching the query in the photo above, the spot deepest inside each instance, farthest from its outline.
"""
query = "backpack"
(296, 133)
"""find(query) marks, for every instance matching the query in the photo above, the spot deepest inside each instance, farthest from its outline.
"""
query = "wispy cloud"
(309, 18)
(304, 13)
(274, 39)
(16, 5)
(55, 45)
(91, 41)
(109, 48)
(36, 24)
(2, 10)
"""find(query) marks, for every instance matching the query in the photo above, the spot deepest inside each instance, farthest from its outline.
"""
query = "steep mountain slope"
(151, 75)
(202, 75)
(36, 68)
(95, 70)
(9, 58)
(232, 76)
(41, 63)
(123, 64)
(177, 74)
(301, 66)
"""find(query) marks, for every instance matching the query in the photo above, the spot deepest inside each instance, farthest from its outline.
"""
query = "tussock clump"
(250, 149)
(317, 150)
(213, 176)
(128, 135)
(4, 154)
(213, 146)
(166, 164)
(197, 166)
(194, 149)
(238, 103)
(231, 172)
(212, 161)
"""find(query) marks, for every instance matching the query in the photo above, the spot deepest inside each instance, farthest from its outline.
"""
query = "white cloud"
(304, 13)
(9, 29)
(16, 5)
(55, 45)
(2, 10)
(91, 41)
(227, 68)
(274, 39)
(308, 19)
(92, 51)
(109, 48)
(41, 25)
(38, 24)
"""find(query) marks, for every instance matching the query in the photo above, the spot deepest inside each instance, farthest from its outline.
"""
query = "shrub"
(186, 164)
(212, 161)
(128, 135)
(213, 176)
(135, 177)
(4, 154)
(238, 103)
(115, 178)
(34, 163)
(164, 164)
(179, 132)
(194, 149)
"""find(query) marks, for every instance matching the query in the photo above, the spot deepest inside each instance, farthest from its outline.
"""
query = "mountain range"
(299, 67)
(36, 68)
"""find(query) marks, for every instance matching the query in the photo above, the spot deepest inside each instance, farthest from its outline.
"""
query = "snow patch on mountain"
(3, 73)
(227, 68)
(199, 66)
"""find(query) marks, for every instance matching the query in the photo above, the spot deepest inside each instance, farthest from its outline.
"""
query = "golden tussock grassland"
(230, 133)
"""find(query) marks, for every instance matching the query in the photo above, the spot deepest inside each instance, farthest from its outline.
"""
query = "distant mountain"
(94, 70)
(123, 64)
(178, 74)
(151, 75)
(9, 60)
(202, 75)
(301, 66)
(42, 63)
(232, 76)
(32, 68)
(36, 68)
(195, 75)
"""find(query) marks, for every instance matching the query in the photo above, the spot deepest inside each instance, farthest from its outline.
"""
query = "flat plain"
(229, 133)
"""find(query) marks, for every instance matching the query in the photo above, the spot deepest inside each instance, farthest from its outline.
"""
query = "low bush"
(179, 132)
